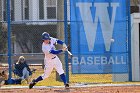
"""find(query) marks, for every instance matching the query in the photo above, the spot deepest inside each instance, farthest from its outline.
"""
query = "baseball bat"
(69, 53)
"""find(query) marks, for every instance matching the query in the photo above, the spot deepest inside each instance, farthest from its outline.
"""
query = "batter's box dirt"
(95, 89)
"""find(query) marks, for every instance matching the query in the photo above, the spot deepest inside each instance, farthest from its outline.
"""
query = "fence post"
(129, 42)
(66, 40)
(9, 40)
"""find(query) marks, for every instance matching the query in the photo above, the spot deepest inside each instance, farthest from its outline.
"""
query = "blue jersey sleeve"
(60, 42)
(56, 51)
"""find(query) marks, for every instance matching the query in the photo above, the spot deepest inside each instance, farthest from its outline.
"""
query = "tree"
(135, 6)
(60, 30)
(3, 41)
(136, 2)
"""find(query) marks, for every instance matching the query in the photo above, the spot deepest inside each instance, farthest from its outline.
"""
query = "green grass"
(74, 78)
(90, 78)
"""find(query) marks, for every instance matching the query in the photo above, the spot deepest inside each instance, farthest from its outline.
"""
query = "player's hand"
(64, 45)
(64, 49)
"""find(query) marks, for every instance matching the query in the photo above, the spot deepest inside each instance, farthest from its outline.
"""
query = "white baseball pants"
(50, 64)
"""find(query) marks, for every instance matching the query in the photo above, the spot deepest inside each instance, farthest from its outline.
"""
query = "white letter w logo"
(101, 14)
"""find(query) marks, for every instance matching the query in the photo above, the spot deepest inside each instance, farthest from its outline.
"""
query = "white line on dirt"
(73, 86)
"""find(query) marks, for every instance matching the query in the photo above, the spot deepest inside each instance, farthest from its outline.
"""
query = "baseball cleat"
(32, 84)
(66, 86)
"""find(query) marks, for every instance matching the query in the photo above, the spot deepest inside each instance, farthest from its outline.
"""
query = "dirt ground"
(120, 89)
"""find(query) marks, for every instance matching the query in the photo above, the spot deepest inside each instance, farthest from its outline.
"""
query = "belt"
(54, 57)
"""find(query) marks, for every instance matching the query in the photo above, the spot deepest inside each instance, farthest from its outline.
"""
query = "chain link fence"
(29, 19)
(92, 45)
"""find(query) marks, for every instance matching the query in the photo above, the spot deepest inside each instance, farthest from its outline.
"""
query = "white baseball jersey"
(47, 47)
(51, 60)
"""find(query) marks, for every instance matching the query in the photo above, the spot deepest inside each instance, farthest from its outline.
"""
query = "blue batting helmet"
(45, 36)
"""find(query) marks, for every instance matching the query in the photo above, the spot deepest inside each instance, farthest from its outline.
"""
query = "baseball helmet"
(45, 36)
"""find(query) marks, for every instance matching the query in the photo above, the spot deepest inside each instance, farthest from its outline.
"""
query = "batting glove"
(64, 45)
(64, 49)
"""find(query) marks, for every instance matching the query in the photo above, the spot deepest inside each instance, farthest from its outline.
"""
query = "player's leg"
(26, 76)
(63, 77)
(59, 69)
(47, 71)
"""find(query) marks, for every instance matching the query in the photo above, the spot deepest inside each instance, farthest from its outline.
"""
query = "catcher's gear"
(32, 84)
(45, 36)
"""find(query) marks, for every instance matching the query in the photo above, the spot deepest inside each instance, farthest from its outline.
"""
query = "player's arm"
(57, 41)
(56, 51)
(61, 43)
(46, 50)
(53, 51)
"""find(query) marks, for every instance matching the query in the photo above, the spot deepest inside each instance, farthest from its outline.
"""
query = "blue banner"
(99, 36)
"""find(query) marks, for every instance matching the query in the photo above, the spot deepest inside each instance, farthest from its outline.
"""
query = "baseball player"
(51, 59)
